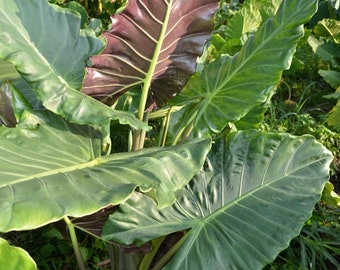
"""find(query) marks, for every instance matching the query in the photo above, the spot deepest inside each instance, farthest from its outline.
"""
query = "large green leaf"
(249, 18)
(49, 50)
(230, 87)
(14, 258)
(331, 76)
(50, 169)
(155, 43)
(327, 50)
(328, 28)
(253, 197)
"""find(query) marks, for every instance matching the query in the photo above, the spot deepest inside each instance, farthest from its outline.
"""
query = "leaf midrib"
(258, 48)
(149, 75)
(88, 164)
(241, 197)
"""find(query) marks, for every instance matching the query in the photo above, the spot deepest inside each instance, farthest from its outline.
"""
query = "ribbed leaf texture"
(49, 50)
(252, 197)
(157, 40)
(228, 88)
(50, 169)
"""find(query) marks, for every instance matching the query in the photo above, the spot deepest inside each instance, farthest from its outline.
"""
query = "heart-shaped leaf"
(327, 50)
(253, 197)
(154, 42)
(49, 50)
(228, 88)
(248, 19)
(50, 169)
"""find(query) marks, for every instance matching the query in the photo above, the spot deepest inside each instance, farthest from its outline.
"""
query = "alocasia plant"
(57, 163)
(52, 60)
(154, 43)
(237, 207)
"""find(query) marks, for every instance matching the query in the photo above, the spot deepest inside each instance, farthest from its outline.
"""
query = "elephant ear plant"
(236, 203)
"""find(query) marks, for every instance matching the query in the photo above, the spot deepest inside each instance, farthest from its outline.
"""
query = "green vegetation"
(139, 149)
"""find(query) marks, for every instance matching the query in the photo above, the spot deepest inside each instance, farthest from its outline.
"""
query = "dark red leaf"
(131, 48)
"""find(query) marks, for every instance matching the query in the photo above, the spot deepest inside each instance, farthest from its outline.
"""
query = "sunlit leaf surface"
(228, 88)
(14, 258)
(49, 50)
(253, 196)
(50, 169)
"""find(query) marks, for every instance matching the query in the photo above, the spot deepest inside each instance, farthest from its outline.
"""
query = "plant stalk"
(161, 133)
(139, 135)
(166, 127)
(183, 134)
(148, 258)
(111, 255)
(169, 254)
(100, 6)
(75, 244)
(148, 79)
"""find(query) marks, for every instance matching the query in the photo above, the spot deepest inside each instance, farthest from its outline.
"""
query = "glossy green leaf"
(240, 26)
(230, 87)
(328, 28)
(49, 50)
(14, 258)
(327, 50)
(332, 77)
(253, 118)
(75, 6)
(253, 196)
(50, 169)
(249, 18)
(330, 197)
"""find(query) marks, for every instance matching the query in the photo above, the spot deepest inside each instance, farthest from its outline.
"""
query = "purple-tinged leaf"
(151, 39)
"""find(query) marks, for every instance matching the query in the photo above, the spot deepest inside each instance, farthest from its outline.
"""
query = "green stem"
(136, 140)
(130, 141)
(111, 255)
(100, 6)
(161, 133)
(183, 134)
(169, 254)
(187, 132)
(148, 78)
(147, 260)
(75, 244)
(139, 135)
(166, 127)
